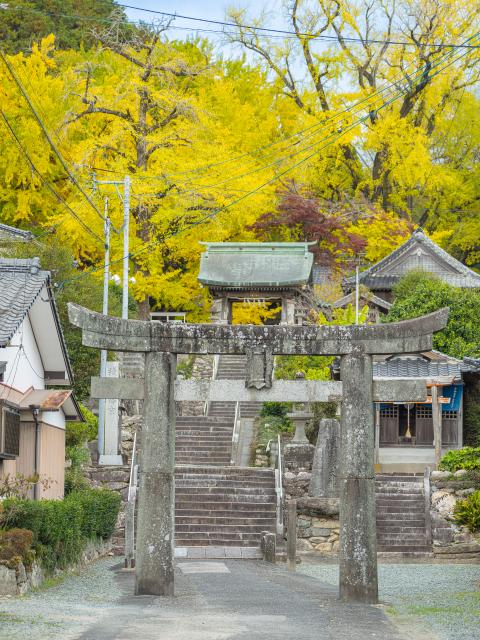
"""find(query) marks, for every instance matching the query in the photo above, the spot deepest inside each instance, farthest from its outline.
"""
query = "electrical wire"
(53, 146)
(214, 213)
(46, 182)
(419, 76)
(285, 32)
(271, 32)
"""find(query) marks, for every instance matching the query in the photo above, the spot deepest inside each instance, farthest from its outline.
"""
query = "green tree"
(23, 22)
(419, 293)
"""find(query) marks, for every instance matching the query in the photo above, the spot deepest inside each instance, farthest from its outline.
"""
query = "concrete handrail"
(216, 359)
(235, 433)
(279, 486)
(130, 510)
(426, 493)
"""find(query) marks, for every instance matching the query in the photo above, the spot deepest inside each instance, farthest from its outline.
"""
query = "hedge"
(467, 458)
(61, 528)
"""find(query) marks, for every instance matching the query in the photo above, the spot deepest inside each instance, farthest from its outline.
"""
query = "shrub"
(78, 433)
(62, 527)
(278, 409)
(100, 510)
(16, 546)
(466, 458)
(75, 481)
(467, 512)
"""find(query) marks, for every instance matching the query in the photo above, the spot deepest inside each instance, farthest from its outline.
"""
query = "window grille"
(11, 430)
(389, 412)
(424, 411)
(449, 415)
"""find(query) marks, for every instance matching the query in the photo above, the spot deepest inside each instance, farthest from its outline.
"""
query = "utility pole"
(103, 353)
(126, 182)
(357, 292)
(126, 230)
(107, 447)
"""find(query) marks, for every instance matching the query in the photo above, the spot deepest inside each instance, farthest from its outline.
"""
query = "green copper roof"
(255, 264)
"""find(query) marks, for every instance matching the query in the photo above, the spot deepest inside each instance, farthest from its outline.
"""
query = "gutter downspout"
(35, 412)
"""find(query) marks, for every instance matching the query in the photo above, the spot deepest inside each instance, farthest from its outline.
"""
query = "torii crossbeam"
(356, 344)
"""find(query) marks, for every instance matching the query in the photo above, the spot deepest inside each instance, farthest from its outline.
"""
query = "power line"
(214, 213)
(46, 182)
(271, 32)
(414, 78)
(53, 146)
(286, 32)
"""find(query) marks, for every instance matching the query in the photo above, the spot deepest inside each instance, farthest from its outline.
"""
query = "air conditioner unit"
(9, 432)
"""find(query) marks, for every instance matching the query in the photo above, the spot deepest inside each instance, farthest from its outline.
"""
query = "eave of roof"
(247, 265)
(13, 231)
(26, 276)
(375, 281)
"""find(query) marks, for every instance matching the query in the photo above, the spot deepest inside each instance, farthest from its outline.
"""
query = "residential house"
(33, 359)
(418, 252)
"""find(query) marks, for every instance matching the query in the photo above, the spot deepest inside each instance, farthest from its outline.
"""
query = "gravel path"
(440, 598)
(64, 610)
(426, 601)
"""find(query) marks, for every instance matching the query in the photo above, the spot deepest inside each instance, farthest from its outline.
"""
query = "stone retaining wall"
(317, 518)
(450, 540)
(117, 479)
(20, 580)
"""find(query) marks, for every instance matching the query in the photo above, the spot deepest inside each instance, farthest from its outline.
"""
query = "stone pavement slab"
(253, 601)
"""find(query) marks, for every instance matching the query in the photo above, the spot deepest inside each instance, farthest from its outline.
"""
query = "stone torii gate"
(161, 342)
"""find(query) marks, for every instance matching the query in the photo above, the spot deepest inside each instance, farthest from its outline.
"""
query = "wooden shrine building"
(266, 272)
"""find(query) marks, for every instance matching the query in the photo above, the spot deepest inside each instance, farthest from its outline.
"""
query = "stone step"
(220, 532)
(223, 482)
(215, 537)
(216, 522)
(230, 471)
(205, 498)
(406, 549)
(382, 477)
(391, 523)
(223, 494)
(210, 542)
(219, 552)
(401, 541)
(255, 511)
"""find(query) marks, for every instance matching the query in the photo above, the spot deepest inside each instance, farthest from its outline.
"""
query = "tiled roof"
(369, 299)
(247, 265)
(12, 233)
(418, 366)
(429, 256)
(21, 281)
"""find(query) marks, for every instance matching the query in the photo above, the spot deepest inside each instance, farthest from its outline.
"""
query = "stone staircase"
(223, 507)
(401, 514)
(233, 368)
(220, 510)
(203, 440)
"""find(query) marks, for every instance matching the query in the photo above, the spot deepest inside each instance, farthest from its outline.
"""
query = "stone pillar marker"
(325, 470)
(156, 501)
(112, 405)
(358, 533)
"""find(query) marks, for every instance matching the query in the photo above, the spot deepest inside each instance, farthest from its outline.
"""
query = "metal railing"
(216, 359)
(279, 486)
(236, 433)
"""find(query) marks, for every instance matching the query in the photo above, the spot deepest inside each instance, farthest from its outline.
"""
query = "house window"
(11, 432)
(449, 415)
(390, 411)
(424, 411)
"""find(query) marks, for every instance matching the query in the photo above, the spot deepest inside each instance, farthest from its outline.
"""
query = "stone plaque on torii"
(161, 342)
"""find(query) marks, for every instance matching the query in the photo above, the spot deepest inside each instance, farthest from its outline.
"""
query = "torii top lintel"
(106, 332)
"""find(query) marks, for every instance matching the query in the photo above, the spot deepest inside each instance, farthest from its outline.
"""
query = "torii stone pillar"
(355, 344)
